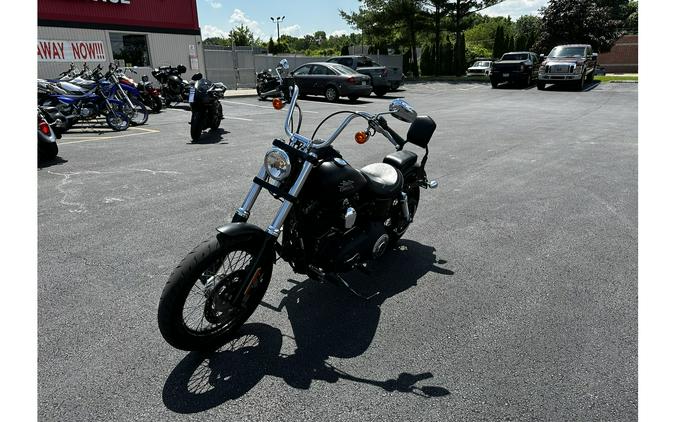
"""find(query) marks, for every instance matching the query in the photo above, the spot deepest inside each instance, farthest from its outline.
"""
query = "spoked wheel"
(117, 120)
(196, 126)
(138, 114)
(197, 309)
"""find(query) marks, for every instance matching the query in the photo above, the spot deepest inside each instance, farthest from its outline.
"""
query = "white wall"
(165, 49)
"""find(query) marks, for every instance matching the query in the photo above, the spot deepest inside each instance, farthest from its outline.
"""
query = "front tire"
(205, 280)
(494, 83)
(541, 86)
(117, 121)
(196, 126)
(215, 124)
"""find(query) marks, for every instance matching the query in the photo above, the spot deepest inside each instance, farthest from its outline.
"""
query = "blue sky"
(217, 17)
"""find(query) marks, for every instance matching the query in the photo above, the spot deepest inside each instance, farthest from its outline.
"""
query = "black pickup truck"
(521, 67)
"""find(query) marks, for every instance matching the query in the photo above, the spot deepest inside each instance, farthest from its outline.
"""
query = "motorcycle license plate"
(191, 99)
(506, 75)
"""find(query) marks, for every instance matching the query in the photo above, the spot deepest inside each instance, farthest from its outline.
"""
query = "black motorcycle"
(267, 84)
(334, 218)
(174, 88)
(207, 112)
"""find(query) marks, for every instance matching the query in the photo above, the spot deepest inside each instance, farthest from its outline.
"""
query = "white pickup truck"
(382, 78)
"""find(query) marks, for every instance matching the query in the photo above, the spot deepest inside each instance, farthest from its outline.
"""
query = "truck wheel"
(528, 81)
(494, 83)
(380, 92)
(590, 77)
(541, 85)
(580, 85)
(331, 94)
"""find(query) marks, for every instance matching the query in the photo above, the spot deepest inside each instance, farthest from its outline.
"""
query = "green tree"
(460, 56)
(345, 50)
(460, 10)
(527, 27)
(271, 47)
(217, 41)
(427, 61)
(242, 35)
(383, 20)
(498, 47)
(577, 21)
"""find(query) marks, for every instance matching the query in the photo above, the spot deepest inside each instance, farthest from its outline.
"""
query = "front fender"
(241, 229)
(130, 89)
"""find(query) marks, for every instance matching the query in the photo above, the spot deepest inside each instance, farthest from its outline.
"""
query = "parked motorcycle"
(129, 95)
(47, 147)
(267, 84)
(96, 102)
(207, 112)
(334, 218)
(174, 88)
(151, 97)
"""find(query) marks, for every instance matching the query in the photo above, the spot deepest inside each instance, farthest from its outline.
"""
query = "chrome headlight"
(277, 164)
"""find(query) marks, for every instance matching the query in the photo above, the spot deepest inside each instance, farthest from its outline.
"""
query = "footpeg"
(432, 184)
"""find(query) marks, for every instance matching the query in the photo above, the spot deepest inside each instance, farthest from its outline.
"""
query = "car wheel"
(331, 94)
(380, 92)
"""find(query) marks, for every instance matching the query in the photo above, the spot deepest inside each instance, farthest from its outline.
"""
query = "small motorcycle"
(174, 88)
(333, 218)
(207, 112)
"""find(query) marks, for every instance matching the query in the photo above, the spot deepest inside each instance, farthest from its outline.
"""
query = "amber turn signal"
(361, 137)
(277, 103)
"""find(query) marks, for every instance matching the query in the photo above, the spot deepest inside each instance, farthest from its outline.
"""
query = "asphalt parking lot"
(513, 296)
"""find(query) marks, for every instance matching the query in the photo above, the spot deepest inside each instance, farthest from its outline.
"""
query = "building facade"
(623, 57)
(142, 33)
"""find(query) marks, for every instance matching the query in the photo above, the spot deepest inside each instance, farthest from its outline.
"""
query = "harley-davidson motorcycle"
(333, 218)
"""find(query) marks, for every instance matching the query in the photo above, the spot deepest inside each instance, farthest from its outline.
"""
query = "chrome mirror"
(284, 63)
(402, 110)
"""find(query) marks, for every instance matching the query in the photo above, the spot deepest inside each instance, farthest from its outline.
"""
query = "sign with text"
(70, 51)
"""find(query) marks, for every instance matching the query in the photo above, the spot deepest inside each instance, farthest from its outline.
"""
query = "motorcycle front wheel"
(196, 311)
(156, 105)
(138, 114)
(196, 126)
(117, 121)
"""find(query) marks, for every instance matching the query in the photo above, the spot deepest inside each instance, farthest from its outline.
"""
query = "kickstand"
(338, 280)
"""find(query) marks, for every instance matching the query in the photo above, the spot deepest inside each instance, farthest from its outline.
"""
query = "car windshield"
(567, 52)
(343, 70)
(481, 64)
(514, 57)
(364, 62)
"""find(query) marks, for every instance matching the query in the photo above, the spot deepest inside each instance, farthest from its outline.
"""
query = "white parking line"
(106, 138)
(263, 107)
(237, 118)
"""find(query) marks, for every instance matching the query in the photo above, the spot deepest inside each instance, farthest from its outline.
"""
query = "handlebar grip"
(395, 136)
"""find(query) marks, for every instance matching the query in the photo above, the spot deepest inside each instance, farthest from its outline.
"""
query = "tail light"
(351, 80)
(44, 126)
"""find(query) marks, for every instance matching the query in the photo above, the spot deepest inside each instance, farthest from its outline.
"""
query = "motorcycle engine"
(338, 236)
(87, 110)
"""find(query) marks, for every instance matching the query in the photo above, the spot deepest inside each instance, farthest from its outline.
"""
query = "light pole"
(277, 20)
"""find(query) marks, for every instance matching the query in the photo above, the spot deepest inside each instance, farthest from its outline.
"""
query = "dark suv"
(572, 64)
(521, 67)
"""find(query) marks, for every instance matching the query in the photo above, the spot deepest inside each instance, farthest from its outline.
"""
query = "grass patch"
(610, 78)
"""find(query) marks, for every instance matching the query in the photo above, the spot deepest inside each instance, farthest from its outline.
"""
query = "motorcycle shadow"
(326, 323)
(211, 137)
(45, 162)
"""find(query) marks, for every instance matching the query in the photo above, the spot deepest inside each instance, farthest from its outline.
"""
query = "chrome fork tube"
(275, 228)
(245, 210)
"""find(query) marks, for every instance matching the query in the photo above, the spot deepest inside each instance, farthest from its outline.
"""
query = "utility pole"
(277, 20)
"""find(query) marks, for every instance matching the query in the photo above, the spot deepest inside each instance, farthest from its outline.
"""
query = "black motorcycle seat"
(402, 160)
(383, 179)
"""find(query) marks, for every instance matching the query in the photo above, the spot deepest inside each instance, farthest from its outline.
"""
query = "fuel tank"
(333, 179)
